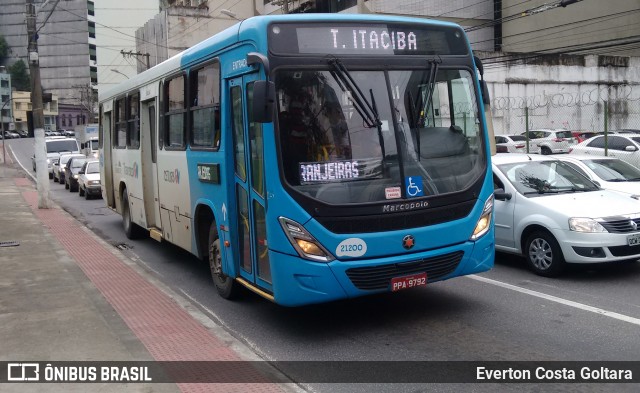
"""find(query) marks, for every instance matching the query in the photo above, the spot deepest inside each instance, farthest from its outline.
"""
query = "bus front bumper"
(298, 281)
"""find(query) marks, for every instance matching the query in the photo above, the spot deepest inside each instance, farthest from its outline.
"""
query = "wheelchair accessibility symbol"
(413, 186)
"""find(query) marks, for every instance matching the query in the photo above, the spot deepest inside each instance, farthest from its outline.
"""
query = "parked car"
(69, 133)
(607, 172)
(23, 133)
(74, 165)
(513, 143)
(551, 214)
(58, 167)
(89, 179)
(583, 135)
(55, 146)
(11, 135)
(548, 141)
(624, 147)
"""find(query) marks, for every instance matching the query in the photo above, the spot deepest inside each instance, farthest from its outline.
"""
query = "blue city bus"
(309, 158)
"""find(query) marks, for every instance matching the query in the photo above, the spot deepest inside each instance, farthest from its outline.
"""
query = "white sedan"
(512, 143)
(89, 180)
(623, 146)
(553, 215)
(607, 172)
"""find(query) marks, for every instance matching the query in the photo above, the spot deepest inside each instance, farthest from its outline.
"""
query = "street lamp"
(230, 14)
(118, 72)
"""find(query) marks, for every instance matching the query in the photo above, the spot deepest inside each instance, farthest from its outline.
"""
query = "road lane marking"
(556, 299)
(19, 163)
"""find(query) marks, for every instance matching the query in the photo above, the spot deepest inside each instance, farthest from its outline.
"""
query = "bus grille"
(397, 221)
(379, 277)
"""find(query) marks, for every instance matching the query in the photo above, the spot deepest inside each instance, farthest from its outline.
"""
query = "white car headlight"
(585, 225)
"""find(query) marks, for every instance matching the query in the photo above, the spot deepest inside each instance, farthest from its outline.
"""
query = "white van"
(55, 146)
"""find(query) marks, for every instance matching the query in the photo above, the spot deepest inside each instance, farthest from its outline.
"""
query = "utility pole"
(42, 173)
(136, 55)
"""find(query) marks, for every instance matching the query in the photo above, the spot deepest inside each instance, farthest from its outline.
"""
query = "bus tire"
(131, 229)
(543, 254)
(225, 285)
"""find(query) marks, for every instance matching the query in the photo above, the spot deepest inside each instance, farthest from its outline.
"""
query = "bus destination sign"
(367, 39)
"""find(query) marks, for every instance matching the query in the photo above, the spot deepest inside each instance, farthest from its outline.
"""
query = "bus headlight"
(484, 223)
(305, 244)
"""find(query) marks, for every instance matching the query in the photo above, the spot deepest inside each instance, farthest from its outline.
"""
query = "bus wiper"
(367, 111)
(417, 105)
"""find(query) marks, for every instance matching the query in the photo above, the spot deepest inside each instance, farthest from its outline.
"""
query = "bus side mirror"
(485, 92)
(264, 99)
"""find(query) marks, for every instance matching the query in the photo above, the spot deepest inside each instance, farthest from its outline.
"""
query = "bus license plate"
(633, 240)
(415, 280)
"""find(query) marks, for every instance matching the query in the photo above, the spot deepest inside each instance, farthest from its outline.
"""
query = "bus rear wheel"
(225, 285)
(131, 229)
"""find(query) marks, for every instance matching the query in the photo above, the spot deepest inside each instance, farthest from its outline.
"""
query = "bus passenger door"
(106, 160)
(149, 145)
(250, 191)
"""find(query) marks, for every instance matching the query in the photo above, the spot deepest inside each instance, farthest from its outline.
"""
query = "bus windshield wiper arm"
(360, 102)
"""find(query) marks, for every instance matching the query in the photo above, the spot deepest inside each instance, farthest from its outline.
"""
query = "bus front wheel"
(225, 285)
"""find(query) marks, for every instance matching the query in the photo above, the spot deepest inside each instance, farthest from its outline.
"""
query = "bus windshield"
(365, 136)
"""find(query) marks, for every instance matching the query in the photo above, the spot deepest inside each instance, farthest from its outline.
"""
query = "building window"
(64, 121)
(92, 52)
(94, 74)
(91, 10)
(78, 119)
(4, 83)
(5, 98)
(92, 29)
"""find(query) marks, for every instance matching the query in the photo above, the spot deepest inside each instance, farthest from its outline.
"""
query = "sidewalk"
(66, 295)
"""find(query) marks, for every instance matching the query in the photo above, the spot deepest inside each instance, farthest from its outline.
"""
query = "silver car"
(553, 215)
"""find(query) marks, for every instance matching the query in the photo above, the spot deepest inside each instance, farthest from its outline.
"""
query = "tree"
(4, 47)
(19, 76)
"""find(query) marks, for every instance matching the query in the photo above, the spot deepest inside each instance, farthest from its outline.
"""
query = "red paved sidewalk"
(167, 331)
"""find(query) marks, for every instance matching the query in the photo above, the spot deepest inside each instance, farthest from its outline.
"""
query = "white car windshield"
(613, 170)
(545, 177)
(92, 167)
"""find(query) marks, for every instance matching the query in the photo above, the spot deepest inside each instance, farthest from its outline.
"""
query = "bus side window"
(133, 121)
(174, 114)
(204, 111)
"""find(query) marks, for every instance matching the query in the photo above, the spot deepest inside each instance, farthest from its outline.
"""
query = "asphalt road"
(506, 314)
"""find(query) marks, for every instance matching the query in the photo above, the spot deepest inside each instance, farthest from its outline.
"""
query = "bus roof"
(241, 31)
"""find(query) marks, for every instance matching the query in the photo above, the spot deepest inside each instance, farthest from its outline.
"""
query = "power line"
(597, 19)
(529, 12)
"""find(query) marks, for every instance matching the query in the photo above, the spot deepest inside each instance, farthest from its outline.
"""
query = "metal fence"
(604, 109)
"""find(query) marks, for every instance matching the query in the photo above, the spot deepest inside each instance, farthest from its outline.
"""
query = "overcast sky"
(122, 17)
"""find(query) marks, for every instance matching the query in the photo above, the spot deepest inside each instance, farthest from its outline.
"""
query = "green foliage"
(19, 76)
(4, 47)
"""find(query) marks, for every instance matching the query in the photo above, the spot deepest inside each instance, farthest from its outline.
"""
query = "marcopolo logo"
(172, 176)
